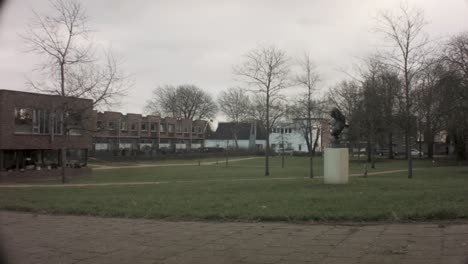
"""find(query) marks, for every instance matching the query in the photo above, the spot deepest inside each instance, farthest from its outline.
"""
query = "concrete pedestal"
(336, 165)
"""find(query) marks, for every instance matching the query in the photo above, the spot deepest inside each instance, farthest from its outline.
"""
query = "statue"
(338, 123)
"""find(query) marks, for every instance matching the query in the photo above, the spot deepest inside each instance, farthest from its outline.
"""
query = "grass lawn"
(97, 164)
(241, 192)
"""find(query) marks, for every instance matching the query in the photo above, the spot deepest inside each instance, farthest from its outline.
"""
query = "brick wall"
(9, 139)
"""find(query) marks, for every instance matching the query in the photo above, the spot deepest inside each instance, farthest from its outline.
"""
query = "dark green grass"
(202, 159)
(217, 193)
(245, 169)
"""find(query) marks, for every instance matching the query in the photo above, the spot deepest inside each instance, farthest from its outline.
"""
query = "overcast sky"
(198, 42)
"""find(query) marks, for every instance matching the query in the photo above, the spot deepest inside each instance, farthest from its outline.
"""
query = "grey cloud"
(172, 42)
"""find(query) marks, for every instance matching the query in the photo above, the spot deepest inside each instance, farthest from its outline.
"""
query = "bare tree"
(257, 111)
(405, 30)
(183, 101)
(298, 112)
(431, 104)
(71, 66)
(372, 105)
(308, 78)
(163, 100)
(266, 71)
(235, 104)
(455, 83)
(456, 54)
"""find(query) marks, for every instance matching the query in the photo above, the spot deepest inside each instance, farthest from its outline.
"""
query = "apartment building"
(118, 134)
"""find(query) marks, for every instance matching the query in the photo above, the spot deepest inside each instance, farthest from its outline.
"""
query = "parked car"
(416, 153)
(384, 152)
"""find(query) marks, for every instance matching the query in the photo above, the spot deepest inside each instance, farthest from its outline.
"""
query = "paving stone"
(30, 238)
(454, 259)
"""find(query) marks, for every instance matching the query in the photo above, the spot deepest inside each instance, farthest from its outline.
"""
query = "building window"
(300, 147)
(153, 127)
(143, 126)
(24, 120)
(123, 125)
(162, 127)
(44, 121)
(199, 129)
(99, 125)
(133, 127)
(111, 125)
(171, 128)
(57, 119)
(74, 121)
(193, 129)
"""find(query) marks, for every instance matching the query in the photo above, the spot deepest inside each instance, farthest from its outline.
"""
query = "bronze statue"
(338, 123)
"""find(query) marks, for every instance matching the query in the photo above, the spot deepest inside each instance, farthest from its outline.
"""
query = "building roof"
(44, 95)
(225, 131)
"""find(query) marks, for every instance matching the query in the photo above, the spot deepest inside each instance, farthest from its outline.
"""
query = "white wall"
(125, 145)
(101, 146)
(217, 143)
(180, 146)
(164, 145)
(295, 138)
(196, 146)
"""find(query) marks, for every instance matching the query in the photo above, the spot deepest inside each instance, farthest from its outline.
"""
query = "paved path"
(50, 239)
(104, 167)
(178, 181)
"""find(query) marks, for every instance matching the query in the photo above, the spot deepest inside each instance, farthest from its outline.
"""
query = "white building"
(290, 135)
(252, 136)
(249, 136)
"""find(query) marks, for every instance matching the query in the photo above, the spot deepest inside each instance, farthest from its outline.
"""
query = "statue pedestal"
(336, 167)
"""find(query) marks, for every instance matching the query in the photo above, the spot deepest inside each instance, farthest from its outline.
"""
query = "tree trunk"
(308, 140)
(63, 161)
(420, 148)
(430, 148)
(408, 121)
(267, 147)
(460, 147)
(227, 156)
(282, 159)
(315, 141)
(311, 150)
(1, 160)
(235, 141)
(63, 150)
(408, 153)
(369, 150)
(390, 146)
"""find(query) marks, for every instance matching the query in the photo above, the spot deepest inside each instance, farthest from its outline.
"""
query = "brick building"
(134, 134)
(33, 131)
